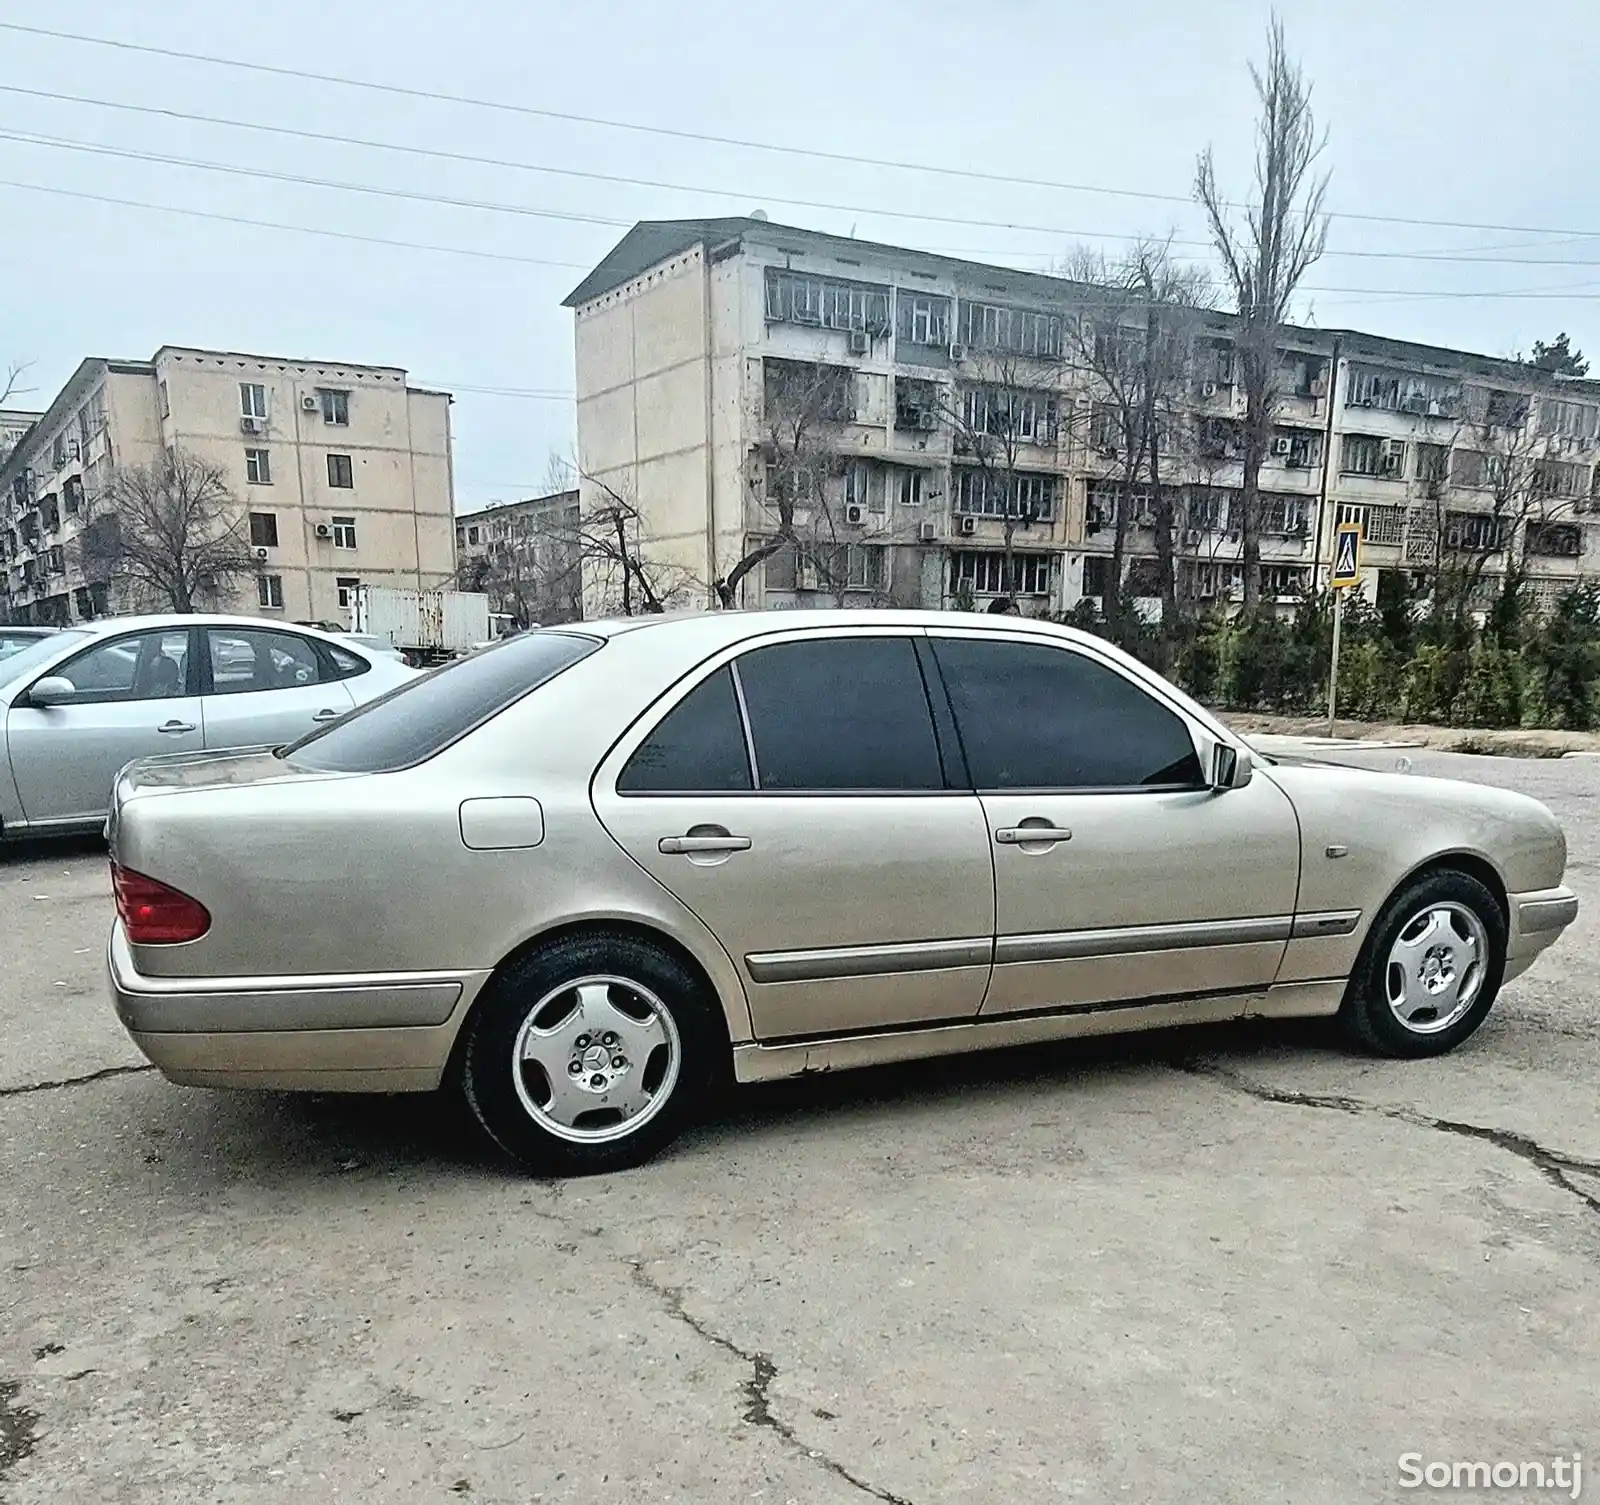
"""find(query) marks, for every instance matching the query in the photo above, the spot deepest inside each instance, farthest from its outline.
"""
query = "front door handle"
(1030, 832)
(325, 715)
(173, 728)
(684, 846)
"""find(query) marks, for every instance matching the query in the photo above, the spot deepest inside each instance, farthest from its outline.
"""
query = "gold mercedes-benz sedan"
(586, 872)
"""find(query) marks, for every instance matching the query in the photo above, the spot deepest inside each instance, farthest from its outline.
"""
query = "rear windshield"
(424, 716)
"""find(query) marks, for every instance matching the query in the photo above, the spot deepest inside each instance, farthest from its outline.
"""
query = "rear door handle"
(1026, 835)
(683, 846)
(172, 728)
(325, 715)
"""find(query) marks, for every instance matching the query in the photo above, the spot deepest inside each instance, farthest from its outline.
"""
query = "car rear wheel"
(1430, 969)
(589, 1054)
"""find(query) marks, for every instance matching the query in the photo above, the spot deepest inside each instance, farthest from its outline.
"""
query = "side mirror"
(1231, 767)
(53, 689)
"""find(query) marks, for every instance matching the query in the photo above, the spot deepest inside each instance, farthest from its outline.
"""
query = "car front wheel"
(589, 1054)
(1430, 969)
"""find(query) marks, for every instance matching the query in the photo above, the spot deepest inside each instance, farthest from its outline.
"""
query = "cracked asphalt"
(1222, 1265)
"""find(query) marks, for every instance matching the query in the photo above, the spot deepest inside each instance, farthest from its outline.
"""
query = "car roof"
(115, 626)
(734, 626)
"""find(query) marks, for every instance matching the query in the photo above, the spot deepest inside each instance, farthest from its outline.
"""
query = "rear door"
(264, 686)
(1120, 875)
(136, 697)
(794, 796)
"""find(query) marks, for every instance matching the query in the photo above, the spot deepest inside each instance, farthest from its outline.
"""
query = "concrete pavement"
(1235, 1265)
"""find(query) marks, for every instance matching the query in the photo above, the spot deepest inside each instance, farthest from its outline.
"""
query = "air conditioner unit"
(308, 403)
(927, 532)
(262, 552)
(958, 351)
(927, 421)
(860, 342)
(249, 425)
(324, 531)
(1208, 389)
(1282, 446)
(966, 526)
(855, 514)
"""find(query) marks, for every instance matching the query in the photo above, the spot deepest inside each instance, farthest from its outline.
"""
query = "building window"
(257, 467)
(1284, 516)
(269, 592)
(348, 586)
(1431, 462)
(983, 573)
(264, 530)
(166, 402)
(1010, 412)
(340, 474)
(795, 390)
(1562, 540)
(907, 487)
(841, 567)
(1361, 455)
(1096, 571)
(252, 400)
(1557, 478)
(1283, 580)
(983, 493)
(344, 533)
(921, 320)
(1474, 532)
(916, 404)
(1568, 420)
(472, 534)
(1017, 331)
(335, 406)
(797, 298)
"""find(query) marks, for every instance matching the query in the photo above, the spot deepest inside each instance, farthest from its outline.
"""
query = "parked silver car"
(78, 704)
(588, 870)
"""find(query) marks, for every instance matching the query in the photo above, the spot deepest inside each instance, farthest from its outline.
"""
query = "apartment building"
(14, 423)
(689, 334)
(527, 556)
(341, 473)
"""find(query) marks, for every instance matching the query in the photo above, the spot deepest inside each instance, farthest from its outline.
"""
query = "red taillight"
(153, 914)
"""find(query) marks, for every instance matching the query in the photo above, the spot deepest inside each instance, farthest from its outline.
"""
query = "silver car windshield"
(24, 661)
(424, 716)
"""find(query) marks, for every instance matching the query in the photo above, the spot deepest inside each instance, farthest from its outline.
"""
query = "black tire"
(1366, 1014)
(489, 1064)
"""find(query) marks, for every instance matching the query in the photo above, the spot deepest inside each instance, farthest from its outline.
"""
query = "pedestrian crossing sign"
(1346, 556)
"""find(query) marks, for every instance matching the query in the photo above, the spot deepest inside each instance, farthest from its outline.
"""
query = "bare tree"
(1005, 410)
(790, 474)
(10, 383)
(1263, 260)
(619, 576)
(171, 534)
(1133, 343)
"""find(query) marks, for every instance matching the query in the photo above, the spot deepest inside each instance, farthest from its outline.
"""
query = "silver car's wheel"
(1430, 967)
(596, 1059)
(1436, 967)
(591, 1052)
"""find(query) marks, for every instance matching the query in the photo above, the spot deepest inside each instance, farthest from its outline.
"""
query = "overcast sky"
(1466, 113)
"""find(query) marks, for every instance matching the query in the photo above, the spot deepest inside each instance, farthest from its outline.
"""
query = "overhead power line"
(473, 159)
(267, 224)
(404, 91)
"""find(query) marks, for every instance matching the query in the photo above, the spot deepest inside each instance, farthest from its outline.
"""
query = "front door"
(264, 687)
(795, 798)
(135, 697)
(1120, 875)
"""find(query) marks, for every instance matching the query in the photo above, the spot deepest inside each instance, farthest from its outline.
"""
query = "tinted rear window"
(424, 716)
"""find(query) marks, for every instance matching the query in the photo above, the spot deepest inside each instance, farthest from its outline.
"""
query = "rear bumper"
(1537, 920)
(352, 1033)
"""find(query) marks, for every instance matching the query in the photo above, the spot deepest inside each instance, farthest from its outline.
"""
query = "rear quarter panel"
(1392, 825)
(352, 874)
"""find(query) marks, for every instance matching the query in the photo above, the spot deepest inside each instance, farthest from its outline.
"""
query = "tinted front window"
(698, 747)
(840, 713)
(151, 666)
(1036, 717)
(424, 716)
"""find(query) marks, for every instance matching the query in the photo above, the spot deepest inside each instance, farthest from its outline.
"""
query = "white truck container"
(427, 626)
